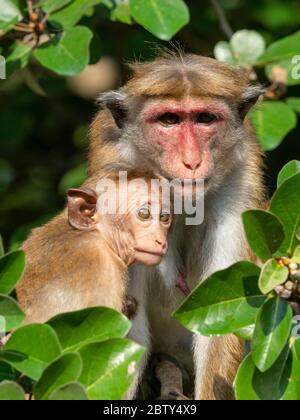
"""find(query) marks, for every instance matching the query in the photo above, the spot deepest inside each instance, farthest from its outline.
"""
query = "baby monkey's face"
(136, 225)
(150, 226)
(145, 226)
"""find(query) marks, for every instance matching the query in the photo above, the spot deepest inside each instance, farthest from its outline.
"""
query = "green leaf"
(11, 357)
(264, 233)
(73, 178)
(11, 391)
(272, 330)
(122, 13)
(247, 46)
(19, 4)
(277, 15)
(108, 377)
(72, 13)
(246, 333)
(293, 390)
(8, 11)
(11, 312)
(253, 385)
(283, 49)
(39, 344)
(77, 329)
(67, 368)
(50, 6)
(162, 18)
(17, 57)
(7, 26)
(272, 275)
(288, 171)
(68, 53)
(12, 267)
(7, 373)
(272, 121)
(281, 382)
(296, 256)
(1, 247)
(223, 52)
(286, 205)
(226, 302)
(73, 391)
(293, 103)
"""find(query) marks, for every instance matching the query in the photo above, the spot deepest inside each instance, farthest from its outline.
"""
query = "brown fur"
(101, 153)
(69, 270)
(180, 75)
(225, 356)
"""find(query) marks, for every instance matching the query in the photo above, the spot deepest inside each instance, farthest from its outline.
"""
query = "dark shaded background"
(43, 138)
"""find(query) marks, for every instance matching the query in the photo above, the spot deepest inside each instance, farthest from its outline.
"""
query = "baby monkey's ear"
(82, 203)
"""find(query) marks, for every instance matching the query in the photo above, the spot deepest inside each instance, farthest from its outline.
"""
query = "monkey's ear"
(115, 102)
(249, 99)
(82, 204)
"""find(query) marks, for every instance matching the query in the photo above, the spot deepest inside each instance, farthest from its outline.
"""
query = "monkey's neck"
(113, 238)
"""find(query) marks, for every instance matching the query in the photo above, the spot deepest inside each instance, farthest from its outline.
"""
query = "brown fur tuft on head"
(184, 74)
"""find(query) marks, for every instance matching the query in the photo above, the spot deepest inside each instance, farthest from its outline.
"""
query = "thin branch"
(20, 378)
(24, 29)
(22, 24)
(32, 82)
(30, 6)
(45, 18)
(224, 24)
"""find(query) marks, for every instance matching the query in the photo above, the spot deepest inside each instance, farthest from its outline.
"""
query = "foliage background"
(43, 138)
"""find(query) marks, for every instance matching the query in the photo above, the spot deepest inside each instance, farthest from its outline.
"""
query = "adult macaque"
(183, 116)
(81, 259)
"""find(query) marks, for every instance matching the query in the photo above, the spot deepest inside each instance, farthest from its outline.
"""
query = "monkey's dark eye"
(165, 217)
(144, 213)
(206, 118)
(169, 118)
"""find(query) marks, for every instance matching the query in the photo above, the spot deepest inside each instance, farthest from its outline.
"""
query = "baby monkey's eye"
(144, 213)
(169, 118)
(206, 118)
(165, 217)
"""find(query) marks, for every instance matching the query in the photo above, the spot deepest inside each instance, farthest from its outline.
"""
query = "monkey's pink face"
(184, 133)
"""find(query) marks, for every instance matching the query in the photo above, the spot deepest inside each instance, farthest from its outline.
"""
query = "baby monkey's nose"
(162, 243)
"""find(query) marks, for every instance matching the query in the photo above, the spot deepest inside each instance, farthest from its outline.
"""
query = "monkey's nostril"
(162, 243)
(192, 166)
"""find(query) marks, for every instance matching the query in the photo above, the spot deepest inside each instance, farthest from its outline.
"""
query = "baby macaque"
(80, 259)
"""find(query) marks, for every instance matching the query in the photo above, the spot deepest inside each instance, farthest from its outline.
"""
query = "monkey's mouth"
(193, 181)
(155, 254)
